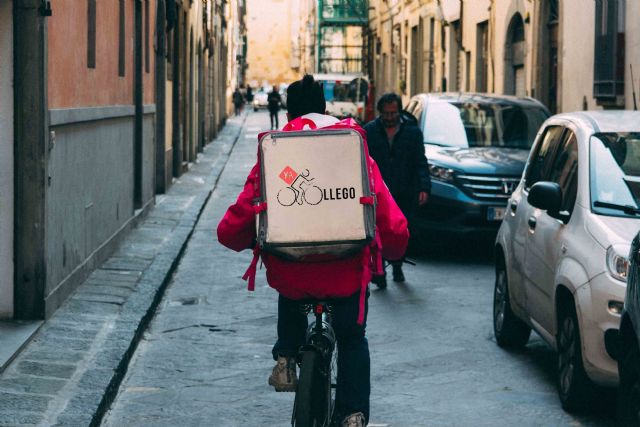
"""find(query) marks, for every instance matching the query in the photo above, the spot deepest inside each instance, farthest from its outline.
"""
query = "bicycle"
(315, 394)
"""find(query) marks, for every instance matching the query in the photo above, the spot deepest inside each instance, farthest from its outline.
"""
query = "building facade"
(111, 100)
(570, 54)
(271, 48)
(331, 36)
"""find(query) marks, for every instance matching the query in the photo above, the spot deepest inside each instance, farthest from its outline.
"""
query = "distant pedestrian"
(249, 95)
(274, 100)
(397, 145)
(238, 101)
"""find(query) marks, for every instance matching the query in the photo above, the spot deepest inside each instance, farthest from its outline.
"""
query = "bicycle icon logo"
(300, 190)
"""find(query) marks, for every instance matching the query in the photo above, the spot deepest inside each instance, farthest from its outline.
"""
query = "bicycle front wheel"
(310, 408)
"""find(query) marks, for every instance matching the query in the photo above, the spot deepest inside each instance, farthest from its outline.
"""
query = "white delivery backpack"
(316, 202)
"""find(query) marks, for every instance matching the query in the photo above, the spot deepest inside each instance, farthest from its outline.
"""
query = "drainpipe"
(319, 36)
(138, 101)
(31, 151)
(161, 87)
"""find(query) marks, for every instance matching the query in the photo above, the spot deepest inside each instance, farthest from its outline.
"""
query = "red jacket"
(337, 278)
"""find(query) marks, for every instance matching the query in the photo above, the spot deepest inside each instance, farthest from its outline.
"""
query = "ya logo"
(300, 189)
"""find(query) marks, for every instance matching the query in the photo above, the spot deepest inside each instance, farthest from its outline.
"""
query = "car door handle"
(532, 222)
(513, 206)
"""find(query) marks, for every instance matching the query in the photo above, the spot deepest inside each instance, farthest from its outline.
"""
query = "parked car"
(283, 94)
(628, 350)
(477, 146)
(260, 99)
(561, 251)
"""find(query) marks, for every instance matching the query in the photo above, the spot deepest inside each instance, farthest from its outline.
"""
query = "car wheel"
(255, 109)
(510, 332)
(574, 386)
(629, 390)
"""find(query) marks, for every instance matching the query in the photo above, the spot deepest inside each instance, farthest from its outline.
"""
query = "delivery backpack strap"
(370, 260)
(250, 274)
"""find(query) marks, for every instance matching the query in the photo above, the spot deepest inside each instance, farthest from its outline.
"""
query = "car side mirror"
(546, 195)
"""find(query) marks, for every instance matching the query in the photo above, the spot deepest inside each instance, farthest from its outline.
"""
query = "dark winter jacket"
(273, 101)
(404, 167)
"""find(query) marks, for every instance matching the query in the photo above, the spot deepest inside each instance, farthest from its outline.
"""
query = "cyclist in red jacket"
(345, 278)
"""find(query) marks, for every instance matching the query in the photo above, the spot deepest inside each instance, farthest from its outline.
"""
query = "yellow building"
(272, 37)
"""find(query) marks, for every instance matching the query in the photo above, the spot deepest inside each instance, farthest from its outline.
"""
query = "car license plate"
(495, 214)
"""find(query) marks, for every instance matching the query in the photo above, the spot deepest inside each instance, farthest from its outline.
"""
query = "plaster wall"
(632, 53)
(473, 14)
(6, 159)
(577, 55)
(91, 192)
(71, 83)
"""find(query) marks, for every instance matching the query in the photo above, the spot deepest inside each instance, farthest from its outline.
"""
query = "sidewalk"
(70, 371)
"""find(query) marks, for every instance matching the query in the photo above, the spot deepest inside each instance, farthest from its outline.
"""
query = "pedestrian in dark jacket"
(238, 101)
(396, 144)
(273, 103)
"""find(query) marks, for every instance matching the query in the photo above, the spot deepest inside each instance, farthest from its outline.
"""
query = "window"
(482, 56)
(615, 172)
(432, 71)
(412, 105)
(565, 170)
(91, 33)
(541, 159)
(121, 41)
(417, 112)
(608, 85)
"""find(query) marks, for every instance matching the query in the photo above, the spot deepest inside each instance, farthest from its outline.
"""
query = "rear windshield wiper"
(628, 209)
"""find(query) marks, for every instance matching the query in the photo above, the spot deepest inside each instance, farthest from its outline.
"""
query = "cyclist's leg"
(292, 327)
(354, 384)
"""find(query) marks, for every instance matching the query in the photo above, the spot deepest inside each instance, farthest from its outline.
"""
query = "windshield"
(344, 91)
(482, 125)
(615, 173)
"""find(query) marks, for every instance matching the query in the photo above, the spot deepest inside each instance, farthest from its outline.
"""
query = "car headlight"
(441, 173)
(617, 261)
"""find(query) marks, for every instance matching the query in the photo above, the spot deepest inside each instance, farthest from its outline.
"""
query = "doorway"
(514, 67)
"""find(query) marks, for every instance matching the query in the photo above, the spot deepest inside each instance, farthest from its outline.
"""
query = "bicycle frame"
(320, 342)
(320, 334)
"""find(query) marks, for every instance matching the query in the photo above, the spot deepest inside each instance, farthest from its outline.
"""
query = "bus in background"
(346, 94)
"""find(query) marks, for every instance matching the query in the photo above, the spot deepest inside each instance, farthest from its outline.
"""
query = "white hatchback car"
(561, 251)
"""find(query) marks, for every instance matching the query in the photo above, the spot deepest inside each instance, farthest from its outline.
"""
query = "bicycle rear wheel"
(311, 406)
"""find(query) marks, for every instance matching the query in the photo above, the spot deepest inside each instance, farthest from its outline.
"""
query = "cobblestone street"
(206, 357)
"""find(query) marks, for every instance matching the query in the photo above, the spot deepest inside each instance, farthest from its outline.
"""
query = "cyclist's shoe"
(354, 420)
(398, 275)
(380, 281)
(283, 377)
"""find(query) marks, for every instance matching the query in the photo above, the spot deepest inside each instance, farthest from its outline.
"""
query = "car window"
(482, 124)
(344, 91)
(541, 159)
(442, 125)
(565, 170)
(417, 112)
(615, 172)
(412, 106)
